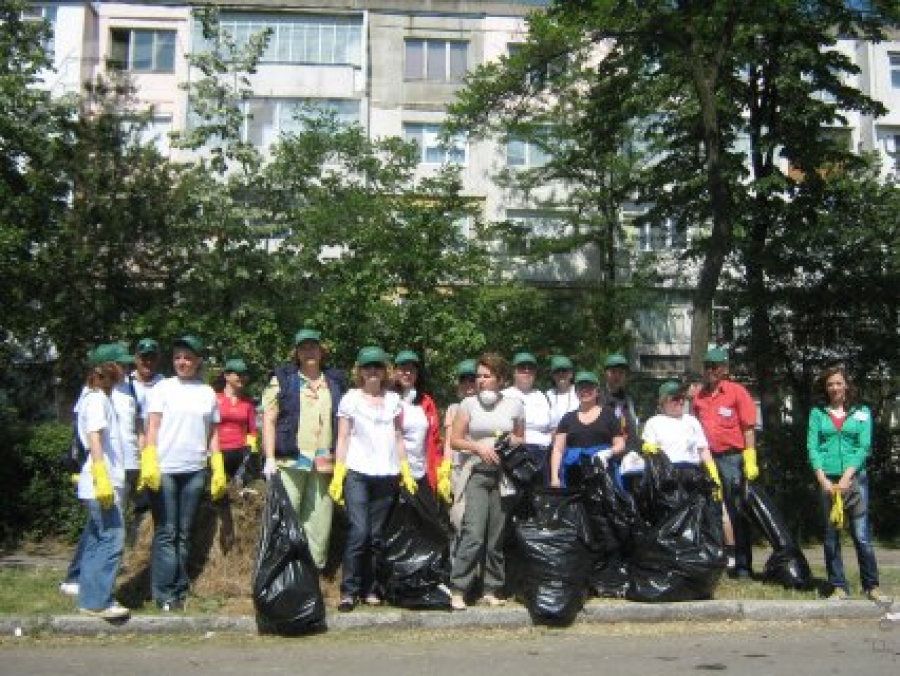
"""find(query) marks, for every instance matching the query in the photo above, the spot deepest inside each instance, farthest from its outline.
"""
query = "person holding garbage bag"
(590, 430)
(839, 440)
(370, 454)
(728, 417)
(421, 422)
(481, 419)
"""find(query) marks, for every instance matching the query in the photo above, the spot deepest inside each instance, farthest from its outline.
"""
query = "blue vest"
(288, 420)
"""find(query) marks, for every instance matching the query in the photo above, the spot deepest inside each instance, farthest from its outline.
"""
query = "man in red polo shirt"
(728, 416)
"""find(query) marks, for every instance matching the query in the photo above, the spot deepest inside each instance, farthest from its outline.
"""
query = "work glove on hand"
(444, 486)
(713, 472)
(837, 510)
(336, 487)
(406, 478)
(253, 442)
(650, 448)
(751, 469)
(149, 477)
(604, 456)
(219, 482)
(103, 488)
(270, 468)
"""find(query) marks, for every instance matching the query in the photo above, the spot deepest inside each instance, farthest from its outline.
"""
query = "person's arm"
(153, 422)
(460, 441)
(398, 438)
(863, 417)
(343, 440)
(556, 456)
(213, 438)
(448, 429)
(618, 445)
(814, 450)
(517, 436)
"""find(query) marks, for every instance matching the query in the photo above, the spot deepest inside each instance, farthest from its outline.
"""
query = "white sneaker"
(69, 588)
(114, 612)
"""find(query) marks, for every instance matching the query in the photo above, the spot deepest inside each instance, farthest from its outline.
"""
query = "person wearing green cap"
(421, 422)
(182, 446)
(300, 406)
(449, 469)
(562, 395)
(237, 417)
(369, 458)
(100, 487)
(680, 436)
(538, 425)
(727, 413)
(591, 430)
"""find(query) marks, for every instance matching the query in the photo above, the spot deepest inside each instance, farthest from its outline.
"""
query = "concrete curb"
(605, 612)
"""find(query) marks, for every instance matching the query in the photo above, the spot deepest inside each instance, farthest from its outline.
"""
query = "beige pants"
(308, 492)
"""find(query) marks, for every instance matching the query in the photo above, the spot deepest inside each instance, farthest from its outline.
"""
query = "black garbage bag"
(680, 559)
(286, 591)
(557, 555)
(613, 514)
(659, 491)
(787, 565)
(522, 466)
(413, 564)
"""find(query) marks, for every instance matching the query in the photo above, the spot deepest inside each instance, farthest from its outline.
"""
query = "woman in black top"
(590, 430)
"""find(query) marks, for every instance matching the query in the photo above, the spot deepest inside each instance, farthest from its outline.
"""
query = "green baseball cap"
(147, 346)
(614, 360)
(467, 367)
(372, 354)
(124, 356)
(406, 356)
(107, 352)
(716, 356)
(587, 377)
(307, 334)
(192, 343)
(524, 358)
(561, 363)
(670, 388)
(235, 366)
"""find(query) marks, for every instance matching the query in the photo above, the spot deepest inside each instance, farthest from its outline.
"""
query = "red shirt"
(725, 412)
(236, 421)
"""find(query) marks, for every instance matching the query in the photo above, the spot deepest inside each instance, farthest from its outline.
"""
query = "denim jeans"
(731, 472)
(369, 500)
(73, 572)
(174, 506)
(862, 541)
(101, 556)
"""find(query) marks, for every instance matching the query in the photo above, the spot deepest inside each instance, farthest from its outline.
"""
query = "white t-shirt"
(372, 448)
(679, 438)
(96, 414)
(142, 392)
(189, 410)
(415, 433)
(538, 427)
(560, 404)
(126, 411)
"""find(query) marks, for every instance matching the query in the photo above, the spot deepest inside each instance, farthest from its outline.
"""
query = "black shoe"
(347, 604)
(739, 574)
(173, 606)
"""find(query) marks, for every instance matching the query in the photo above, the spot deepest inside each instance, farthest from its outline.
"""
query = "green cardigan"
(832, 451)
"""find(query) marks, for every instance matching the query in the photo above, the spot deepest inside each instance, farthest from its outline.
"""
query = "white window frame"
(157, 34)
(43, 13)
(894, 69)
(534, 224)
(429, 45)
(426, 135)
(532, 154)
(283, 116)
(659, 237)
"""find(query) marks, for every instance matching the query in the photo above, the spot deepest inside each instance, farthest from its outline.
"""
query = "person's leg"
(316, 512)
(164, 567)
(73, 572)
(129, 505)
(382, 495)
(356, 499)
(834, 564)
(192, 486)
(494, 562)
(102, 557)
(731, 473)
(468, 553)
(860, 531)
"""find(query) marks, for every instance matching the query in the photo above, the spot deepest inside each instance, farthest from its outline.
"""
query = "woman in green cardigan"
(839, 439)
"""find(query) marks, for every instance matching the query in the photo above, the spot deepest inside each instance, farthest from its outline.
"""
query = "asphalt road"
(751, 649)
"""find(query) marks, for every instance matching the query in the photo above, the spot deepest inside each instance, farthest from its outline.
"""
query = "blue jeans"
(174, 506)
(862, 541)
(369, 500)
(101, 555)
(73, 572)
(731, 471)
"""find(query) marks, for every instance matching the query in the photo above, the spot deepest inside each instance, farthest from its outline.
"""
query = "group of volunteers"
(356, 439)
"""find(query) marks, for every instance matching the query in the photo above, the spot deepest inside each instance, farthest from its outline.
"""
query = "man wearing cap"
(616, 372)
(728, 416)
(449, 471)
(562, 396)
(538, 427)
(300, 406)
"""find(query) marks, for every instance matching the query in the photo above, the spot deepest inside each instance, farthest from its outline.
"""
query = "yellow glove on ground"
(219, 481)
(150, 476)
(751, 469)
(650, 448)
(253, 442)
(406, 478)
(444, 487)
(713, 472)
(336, 487)
(103, 488)
(837, 510)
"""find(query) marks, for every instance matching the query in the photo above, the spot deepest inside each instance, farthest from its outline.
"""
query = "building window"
(894, 65)
(43, 13)
(154, 130)
(311, 39)
(269, 118)
(142, 51)
(436, 60)
(528, 228)
(665, 236)
(892, 148)
(525, 154)
(431, 148)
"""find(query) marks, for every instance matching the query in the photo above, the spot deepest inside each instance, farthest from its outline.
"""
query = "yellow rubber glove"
(713, 472)
(336, 487)
(219, 482)
(751, 469)
(444, 486)
(103, 488)
(406, 478)
(837, 510)
(650, 448)
(253, 442)
(149, 477)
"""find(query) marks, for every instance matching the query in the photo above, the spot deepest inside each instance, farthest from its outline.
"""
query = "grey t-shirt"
(484, 422)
